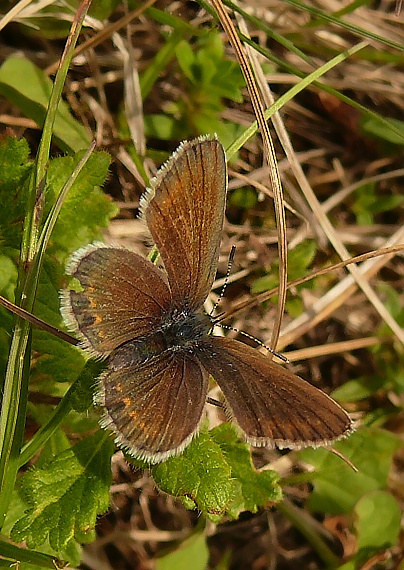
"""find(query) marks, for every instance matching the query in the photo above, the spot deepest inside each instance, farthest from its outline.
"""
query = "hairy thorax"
(180, 330)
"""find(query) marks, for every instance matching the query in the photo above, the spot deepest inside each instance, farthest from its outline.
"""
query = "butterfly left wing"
(184, 211)
(122, 296)
(272, 406)
(154, 408)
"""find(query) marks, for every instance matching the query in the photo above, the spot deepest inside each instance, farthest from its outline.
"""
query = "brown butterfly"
(150, 324)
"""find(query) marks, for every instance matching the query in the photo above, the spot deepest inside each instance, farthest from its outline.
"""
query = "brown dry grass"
(329, 157)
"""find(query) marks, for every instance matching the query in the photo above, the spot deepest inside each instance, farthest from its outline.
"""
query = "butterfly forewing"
(154, 408)
(271, 405)
(123, 296)
(184, 211)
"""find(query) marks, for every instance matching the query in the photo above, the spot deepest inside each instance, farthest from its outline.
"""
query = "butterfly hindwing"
(153, 408)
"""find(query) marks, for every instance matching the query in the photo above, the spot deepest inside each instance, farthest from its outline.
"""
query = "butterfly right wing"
(122, 297)
(272, 406)
(153, 407)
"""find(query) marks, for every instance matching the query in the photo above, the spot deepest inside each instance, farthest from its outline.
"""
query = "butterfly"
(149, 322)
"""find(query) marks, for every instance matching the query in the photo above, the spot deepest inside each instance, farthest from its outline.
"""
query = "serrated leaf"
(215, 475)
(18, 508)
(28, 87)
(258, 489)
(76, 226)
(85, 211)
(337, 488)
(15, 169)
(200, 475)
(86, 208)
(66, 495)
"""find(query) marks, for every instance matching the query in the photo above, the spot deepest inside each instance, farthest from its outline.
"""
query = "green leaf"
(8, 277)
(209, 77)
(380, 129)
(86, 208)
(15, 170)
(200, 476)
(216, 476)
(163, 127)
(371, 452)
(351, 565)
(66, 495)
(244, 198)
(367, 203)
(20, 555)
(256, 489)
(51, 350)
(18, 508)
(356, 390)
(28, 87)
(193, 553)
(74, 402)
(82, 391)
(299, 260)
(14, 155)
(186, 58)
(378, 520)
(85, 211)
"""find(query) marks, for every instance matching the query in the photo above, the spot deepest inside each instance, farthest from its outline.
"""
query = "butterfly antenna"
(218, 318)
(342, 456)
(214, 402)
(253, 338)
(226, 279)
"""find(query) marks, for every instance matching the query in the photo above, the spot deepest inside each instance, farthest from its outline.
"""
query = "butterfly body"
(182, 331)
(150, 324)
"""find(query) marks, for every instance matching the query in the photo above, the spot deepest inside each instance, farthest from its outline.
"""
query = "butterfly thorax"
(183, 328)
(180, 330)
